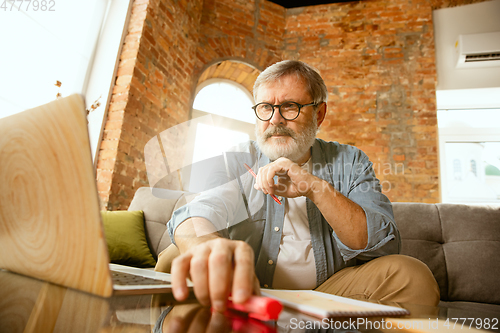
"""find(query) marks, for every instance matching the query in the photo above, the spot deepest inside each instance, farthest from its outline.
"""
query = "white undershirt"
(295, 267)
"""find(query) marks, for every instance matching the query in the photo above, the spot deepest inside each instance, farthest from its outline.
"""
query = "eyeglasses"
(288, 110)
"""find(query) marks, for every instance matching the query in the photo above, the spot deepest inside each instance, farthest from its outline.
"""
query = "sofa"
(459, 243)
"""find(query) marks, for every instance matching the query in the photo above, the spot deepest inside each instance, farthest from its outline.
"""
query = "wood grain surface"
(49, 212)
(30, 306)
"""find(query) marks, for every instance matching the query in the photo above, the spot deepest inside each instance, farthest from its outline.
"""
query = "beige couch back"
(158, 206)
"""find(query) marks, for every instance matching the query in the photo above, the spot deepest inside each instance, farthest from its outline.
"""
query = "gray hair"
(313, 80)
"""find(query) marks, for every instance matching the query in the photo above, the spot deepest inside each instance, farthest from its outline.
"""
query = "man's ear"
(321, 113)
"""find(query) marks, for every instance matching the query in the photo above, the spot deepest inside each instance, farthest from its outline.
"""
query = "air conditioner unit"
(478, 50)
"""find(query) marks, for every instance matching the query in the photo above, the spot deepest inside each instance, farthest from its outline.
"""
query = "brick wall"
(250, 31)
(169, 44)
(377, 58)
(237, 72)
(151, 93)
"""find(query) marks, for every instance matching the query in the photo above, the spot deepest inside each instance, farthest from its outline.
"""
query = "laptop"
(50, 221)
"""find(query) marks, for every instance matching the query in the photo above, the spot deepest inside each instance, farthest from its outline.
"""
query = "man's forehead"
(283, 81)
(288, 78)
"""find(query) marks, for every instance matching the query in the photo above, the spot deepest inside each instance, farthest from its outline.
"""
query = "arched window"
(229, 106)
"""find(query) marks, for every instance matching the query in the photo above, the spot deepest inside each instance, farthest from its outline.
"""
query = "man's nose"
(277, 118)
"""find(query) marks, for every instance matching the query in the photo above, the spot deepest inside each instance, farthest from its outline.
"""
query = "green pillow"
(126, 238)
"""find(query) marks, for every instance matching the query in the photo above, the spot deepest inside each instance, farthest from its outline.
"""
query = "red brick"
(369, 53)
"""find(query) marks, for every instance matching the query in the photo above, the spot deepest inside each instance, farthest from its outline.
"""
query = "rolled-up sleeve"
(222, 202)
(363, 188)
(220, 206)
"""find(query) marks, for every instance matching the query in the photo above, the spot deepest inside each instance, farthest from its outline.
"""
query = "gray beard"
(294, 150)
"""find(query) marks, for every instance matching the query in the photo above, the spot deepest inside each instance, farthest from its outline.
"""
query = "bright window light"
(469, 118)
(231, 106)
(470, 155)
(473, 171)
(40, 47)
(225, 99)
(213, 141)
(469, 145)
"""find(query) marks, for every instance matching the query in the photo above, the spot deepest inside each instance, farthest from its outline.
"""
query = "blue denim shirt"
(240, 212)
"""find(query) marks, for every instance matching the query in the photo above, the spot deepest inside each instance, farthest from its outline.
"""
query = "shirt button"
(266, 286)
(270, 262)
(276, 229)
(280, 198)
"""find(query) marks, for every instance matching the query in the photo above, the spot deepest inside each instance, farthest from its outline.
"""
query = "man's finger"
(265, 180)
(199, 274)
(180, 270)
(244, 273)
(220, 267)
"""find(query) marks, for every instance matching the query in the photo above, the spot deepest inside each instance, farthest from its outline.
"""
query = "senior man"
(334, 230)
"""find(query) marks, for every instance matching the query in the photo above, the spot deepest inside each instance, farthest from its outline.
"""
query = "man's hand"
(217, 267)
(293, 181)
(346, 217)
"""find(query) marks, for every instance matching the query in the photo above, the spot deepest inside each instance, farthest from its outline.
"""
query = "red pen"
(259, 307)
(255, 176)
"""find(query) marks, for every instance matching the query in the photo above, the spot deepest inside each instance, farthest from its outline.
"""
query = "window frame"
(103, 69)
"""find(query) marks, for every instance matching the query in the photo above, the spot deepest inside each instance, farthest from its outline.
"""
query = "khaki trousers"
(393, 278)
(165, 258)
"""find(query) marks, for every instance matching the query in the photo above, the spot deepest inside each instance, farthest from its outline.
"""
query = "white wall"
(449, 23)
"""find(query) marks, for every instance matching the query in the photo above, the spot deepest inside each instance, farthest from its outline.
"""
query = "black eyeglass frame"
(279, 109)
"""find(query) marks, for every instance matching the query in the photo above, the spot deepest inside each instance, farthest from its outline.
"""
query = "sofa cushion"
(470, 310)
(459, 243)
(126, 238)
(421, 234)
(158, 206)
(472, 250)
